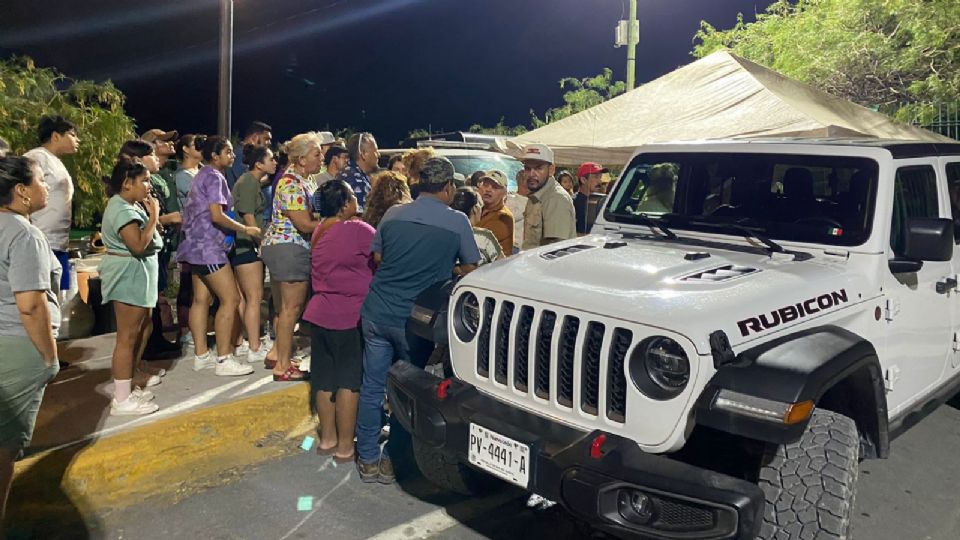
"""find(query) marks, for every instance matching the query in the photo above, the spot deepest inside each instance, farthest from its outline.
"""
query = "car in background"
(467, 161)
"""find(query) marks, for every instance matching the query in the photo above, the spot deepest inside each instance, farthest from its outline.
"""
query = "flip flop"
(344, 460)
(292, 374)
(326, 451)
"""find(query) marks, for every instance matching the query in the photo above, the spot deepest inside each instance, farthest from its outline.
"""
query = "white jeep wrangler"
(747, 321)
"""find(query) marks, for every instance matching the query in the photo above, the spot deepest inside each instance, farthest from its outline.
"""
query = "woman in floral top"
(286, 245)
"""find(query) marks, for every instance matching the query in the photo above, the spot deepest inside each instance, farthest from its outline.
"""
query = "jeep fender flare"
(835, 368)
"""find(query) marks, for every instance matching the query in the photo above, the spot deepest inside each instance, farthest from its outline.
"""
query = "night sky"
(387, 66)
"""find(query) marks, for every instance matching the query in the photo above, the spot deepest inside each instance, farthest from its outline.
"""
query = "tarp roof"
(721, 96)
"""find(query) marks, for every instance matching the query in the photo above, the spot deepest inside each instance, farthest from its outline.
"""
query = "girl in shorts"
(204, 247)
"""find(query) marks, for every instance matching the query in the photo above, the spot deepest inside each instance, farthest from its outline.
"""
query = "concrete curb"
(168, 457)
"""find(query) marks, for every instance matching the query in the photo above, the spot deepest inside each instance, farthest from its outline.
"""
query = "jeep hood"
(680, 287)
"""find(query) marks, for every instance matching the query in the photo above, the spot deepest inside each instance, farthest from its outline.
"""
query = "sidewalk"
(84, 462)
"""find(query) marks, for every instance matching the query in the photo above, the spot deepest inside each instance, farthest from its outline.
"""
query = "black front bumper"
(688, 502)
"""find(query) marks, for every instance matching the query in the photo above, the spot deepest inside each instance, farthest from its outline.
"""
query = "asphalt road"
(911, 496)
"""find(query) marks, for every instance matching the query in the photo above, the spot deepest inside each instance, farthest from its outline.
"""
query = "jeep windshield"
(469, 164)
(803, 198)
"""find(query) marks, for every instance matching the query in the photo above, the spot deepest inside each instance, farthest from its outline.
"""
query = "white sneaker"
(132, 406)
(152, 380)
(187, 339)
(230, 367)
(207, 361)
(257, 357)
(243, 349)
(142, 395)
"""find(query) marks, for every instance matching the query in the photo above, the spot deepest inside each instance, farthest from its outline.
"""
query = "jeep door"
(951, 170)
(919, 318)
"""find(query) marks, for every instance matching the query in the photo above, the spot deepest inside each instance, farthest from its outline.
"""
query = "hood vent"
(721, 273)
(569, 250)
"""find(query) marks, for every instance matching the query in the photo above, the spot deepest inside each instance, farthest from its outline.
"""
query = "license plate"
(499, 455)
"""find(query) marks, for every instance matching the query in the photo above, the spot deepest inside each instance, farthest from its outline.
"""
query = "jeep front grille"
(566, 353)
(483, 351)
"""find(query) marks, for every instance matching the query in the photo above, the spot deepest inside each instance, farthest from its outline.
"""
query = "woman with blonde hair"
(389, 189)
(286, 244)
(413, 160)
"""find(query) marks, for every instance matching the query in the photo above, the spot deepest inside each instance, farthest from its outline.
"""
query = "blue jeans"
(382, 346)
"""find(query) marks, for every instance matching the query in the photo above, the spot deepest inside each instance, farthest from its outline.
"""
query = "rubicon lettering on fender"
(766, 321)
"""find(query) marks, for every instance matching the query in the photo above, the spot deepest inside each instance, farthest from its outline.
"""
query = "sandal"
(344, 460)
(326, 451)
(269, 364)
(292, 374)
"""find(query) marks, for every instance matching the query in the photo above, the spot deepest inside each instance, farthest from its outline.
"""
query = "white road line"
(54, 383)
(429, 525)
(255, 385)
(317, 506)
(195, 401)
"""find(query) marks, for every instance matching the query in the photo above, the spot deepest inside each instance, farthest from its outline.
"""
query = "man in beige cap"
(549, 216)
(496, 217)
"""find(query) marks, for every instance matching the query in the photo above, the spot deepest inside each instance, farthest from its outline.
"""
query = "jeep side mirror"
(927, 239)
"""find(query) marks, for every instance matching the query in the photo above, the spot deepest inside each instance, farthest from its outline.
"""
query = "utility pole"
(226, 68)
(633, 38)
(628, 33)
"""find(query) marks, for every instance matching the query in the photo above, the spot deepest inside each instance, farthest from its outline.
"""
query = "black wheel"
(810, 485)
(445, 470)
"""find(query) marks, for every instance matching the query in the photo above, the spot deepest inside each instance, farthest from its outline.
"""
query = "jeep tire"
(810, 484)
(446, 471)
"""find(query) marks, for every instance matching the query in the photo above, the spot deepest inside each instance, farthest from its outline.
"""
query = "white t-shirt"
(54, 220)
(517, 204)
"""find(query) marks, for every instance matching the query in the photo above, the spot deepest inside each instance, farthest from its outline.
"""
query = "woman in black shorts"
(249, 203)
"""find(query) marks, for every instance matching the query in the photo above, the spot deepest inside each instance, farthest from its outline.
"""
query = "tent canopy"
(721, 96)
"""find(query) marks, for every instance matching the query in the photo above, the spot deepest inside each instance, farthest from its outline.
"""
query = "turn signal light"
(596, 447)
(443, 388)
(798, 412)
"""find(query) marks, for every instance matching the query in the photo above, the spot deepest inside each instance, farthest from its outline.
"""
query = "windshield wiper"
(762, 238)
(751, 233)
(654, 224)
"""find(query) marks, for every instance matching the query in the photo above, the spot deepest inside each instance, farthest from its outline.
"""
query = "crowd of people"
(347, 245)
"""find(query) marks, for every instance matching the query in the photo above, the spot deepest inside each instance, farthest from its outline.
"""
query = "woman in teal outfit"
(128, 275)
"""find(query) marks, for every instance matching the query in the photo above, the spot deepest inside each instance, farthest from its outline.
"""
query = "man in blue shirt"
(364, 157)
(416, 246)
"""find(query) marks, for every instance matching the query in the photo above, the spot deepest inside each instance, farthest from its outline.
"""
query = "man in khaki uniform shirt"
(549, 216)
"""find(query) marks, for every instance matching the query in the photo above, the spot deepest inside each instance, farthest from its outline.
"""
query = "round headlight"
(466, 321)
(660, 368)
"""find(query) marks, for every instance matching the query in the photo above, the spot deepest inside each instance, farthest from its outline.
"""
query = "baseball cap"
(154, 135)
(327, 138)
(496, 177)
(437, 170)
(591, 168)
(537, 152)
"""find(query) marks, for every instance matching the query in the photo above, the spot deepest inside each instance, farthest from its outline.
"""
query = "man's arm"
(559, 220)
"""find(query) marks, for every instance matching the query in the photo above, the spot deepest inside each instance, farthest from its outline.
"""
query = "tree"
(28, 92)
(500, 129)
(880, 53)
(580, 95)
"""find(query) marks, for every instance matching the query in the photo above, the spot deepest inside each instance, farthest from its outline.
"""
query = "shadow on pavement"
(39, 507)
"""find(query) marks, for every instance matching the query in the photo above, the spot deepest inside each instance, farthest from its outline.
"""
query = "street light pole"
(226, 68)
(633, 39)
